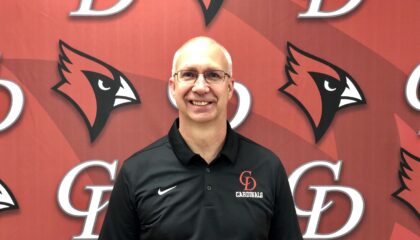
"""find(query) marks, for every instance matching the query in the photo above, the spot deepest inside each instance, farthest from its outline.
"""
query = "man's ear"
(230, 88)
(172, 85)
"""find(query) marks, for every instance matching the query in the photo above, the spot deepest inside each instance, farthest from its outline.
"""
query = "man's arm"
(121, 220)
(284, 224)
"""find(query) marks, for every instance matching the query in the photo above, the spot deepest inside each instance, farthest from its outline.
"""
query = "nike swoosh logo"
(165, 191)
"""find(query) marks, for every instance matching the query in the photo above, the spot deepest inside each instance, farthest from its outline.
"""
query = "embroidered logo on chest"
(249, 184)
(162, 192)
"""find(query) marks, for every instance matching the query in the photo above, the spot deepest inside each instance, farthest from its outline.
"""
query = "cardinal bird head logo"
(319, 88)
(7, 200)
(210, 9)
(409, 175)
(93, 87)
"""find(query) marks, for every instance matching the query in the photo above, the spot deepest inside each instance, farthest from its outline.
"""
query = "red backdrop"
(376, 44)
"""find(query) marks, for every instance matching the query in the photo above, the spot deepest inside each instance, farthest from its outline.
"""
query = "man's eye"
(213, 75)
(103, 86)
(188, 74)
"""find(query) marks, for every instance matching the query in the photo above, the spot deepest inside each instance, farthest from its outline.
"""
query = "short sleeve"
(284, 223)
(121, 220)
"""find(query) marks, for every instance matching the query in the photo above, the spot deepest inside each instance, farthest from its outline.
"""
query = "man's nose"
(200, 85)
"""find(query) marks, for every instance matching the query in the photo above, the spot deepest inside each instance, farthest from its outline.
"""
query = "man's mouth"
(199, 103)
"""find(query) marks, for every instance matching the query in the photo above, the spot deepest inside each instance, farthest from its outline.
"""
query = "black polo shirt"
(167, 192)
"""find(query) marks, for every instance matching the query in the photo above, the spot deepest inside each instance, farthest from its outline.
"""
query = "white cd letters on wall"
(16, 106)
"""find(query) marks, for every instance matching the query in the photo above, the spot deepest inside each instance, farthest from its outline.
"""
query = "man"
(202, 181)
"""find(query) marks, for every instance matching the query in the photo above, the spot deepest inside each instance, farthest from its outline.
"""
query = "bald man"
(203, 180)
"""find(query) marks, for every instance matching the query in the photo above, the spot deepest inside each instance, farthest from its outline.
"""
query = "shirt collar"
(185, 154)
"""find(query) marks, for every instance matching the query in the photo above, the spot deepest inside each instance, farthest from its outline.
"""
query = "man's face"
(200, 101)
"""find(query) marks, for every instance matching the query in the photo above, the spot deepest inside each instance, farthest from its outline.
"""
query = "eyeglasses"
(191, 76)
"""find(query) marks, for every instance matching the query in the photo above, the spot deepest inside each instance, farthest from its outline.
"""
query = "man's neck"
(205, 139)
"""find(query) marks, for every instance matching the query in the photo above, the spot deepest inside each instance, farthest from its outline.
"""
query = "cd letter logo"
(319, 206)
(16, 106)
(248, 181)
(412, 87)
(95, 201)
(86, 10)
(314, 10)
(209, 8)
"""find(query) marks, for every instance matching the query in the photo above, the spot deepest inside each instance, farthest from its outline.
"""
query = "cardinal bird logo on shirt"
(409, 175)
(93, 87)
(7, 200)
(319, 88)
(210, 9)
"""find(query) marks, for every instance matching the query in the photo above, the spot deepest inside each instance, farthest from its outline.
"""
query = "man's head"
(202, 42)
(203, 97)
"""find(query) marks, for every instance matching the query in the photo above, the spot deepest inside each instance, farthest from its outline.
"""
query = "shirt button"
(208, 170)
(208, 187)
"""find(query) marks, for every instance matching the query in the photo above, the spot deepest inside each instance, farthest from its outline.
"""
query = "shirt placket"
(209, 186)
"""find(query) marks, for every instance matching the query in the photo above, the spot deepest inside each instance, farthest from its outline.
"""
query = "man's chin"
(202, 117)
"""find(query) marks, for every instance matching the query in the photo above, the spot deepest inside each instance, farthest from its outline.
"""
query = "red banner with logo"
(332, 87)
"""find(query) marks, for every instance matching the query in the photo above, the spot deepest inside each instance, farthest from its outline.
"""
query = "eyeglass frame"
(176, 76)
